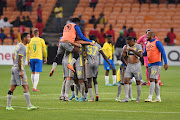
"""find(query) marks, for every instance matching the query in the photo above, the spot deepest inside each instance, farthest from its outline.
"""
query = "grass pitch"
(52, 108)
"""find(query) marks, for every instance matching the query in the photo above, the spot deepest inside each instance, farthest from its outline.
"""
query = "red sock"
(159, 79)
(147, 75)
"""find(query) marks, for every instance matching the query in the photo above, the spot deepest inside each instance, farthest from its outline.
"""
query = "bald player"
(153, 50)
(143, 40)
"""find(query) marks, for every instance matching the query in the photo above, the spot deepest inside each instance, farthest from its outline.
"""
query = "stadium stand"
(158, 17)
(11, 13)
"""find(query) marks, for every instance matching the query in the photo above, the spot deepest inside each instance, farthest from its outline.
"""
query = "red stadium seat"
(162, 5)
(153, 6)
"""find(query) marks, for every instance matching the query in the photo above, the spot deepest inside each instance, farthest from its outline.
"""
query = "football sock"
(130, 91)
(119, 90)
(91, 93)
(73, 61)
(82, 89)
(9, 98)
(63, 88)
(151, 91)
(76, 90)
(36, 80)
(147, 74)
(126, 90)
(159, 79)
(32, 78)
(96, 89)
(157, 90)
(67, 87)
(138, 92)
(106, 79)
(27, 97)
(114, 78)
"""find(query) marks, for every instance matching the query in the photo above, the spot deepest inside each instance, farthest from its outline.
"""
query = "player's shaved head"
(150, 35)
(35, 32)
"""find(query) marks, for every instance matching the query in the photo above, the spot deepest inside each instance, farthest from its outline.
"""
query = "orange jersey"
(69, 32)
(153, 54)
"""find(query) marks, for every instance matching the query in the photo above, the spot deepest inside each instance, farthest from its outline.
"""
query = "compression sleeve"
(80, 34)
(145, 52)
(161, 49)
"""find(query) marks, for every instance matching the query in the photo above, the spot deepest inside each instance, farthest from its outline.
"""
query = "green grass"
(107, 108)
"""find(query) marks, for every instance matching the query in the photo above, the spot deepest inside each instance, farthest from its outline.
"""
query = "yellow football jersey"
(108, 49)
(36, 47)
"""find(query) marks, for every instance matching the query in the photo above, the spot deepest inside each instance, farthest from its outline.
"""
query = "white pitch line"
(59, 94)
(100, 110)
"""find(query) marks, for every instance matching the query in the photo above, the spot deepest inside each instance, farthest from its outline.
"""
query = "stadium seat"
(139, 21)
(130, 21)
(109, 5)
(163, 9)
(100, 5)
(137, 26)
(142, 13)
(154, 10)
(120, 17)
(116, 9)
(126, 9)
(155, 26)
(144, 5)
(112, 21)
(118, 5)
(161, 13)
(148, 22)
(135, 10)
(139, 18)
(162, 5)
(126, 5)
(144, 9)
(108, 9)
(120, 21)
(147, 26)
(172, 9)
(153, 6)
(130, 17)
(135, 5)
(165, 26)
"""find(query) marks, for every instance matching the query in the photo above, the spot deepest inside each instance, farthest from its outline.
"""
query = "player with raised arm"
(153, 50)
(92, 64)
(36, 47)
(143, 40)
(18, 74)
(67, 43)
(133, 51)
(108, 49)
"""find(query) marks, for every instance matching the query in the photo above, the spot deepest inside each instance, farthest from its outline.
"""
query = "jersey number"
(34, 47)
(90, 50)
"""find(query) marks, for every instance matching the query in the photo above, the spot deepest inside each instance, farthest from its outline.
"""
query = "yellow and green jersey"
(36, 47)
(108, 50)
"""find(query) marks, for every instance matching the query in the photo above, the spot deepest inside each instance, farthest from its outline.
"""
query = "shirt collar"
(22, 43)
(152, 40)
(74, 22)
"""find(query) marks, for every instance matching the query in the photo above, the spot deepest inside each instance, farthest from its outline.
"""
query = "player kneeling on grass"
(92, 64)
(18, 74)
(122, 72)
(153, 51)
(108, 49)
(133, 51)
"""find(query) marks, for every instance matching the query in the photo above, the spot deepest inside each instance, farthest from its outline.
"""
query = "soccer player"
(36, 47)
(67, 43)
(122, 72)
(108, 49)
(143, 39)
(153, 51)
(18, 74)
(92, 64)
(134, 51)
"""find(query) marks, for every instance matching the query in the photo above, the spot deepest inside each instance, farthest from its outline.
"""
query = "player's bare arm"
(165, 66)
(105, 57)
(85, 42)
(123, 55)
(20, 66)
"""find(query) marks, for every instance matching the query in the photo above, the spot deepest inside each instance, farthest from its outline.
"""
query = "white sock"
(73, 61)
(36, 80)
(106, 79)
(32, 78)
(114, 78)
(151, 91)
